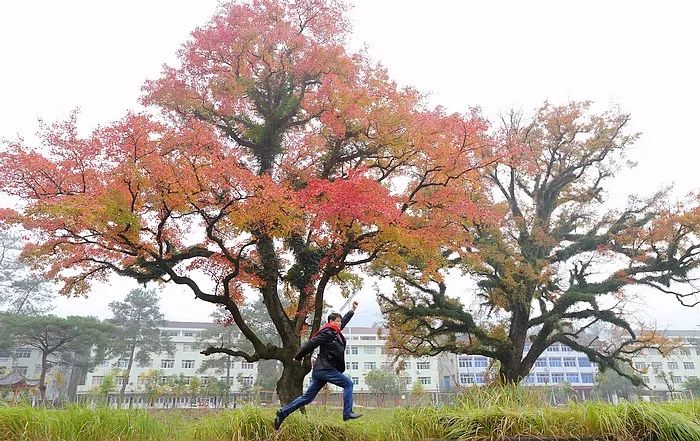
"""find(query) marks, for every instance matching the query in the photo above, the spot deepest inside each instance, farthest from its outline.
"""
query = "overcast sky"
(642, 56)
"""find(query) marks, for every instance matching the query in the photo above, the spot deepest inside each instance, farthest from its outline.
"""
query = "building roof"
(190, 325)
(16, 380)
(355, 330)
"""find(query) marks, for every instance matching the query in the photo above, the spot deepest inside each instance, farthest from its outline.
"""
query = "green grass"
(484, 415)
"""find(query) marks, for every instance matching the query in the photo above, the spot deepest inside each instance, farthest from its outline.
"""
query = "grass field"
(489, 417)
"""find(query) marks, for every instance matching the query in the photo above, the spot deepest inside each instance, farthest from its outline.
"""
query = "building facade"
(184, 363)
(667, 373)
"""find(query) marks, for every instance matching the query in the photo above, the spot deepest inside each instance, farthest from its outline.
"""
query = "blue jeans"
(319, 378)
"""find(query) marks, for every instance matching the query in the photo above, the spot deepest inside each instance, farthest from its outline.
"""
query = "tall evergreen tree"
(138, 321)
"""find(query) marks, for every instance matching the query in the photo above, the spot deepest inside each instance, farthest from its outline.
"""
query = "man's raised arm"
(348, 315)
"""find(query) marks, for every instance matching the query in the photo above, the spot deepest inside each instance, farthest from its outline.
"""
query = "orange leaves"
(342, 202)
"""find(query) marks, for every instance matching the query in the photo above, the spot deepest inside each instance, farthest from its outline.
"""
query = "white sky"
(643, 56)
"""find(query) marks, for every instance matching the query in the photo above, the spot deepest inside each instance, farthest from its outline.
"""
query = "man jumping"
(328, 368)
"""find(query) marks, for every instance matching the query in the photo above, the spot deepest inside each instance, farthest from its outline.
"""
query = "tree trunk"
(42, 379)
(291, 383)
(228, 381)
(126, 379)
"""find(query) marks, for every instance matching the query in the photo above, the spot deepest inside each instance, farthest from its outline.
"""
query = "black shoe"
(351, 416)
(278, 420)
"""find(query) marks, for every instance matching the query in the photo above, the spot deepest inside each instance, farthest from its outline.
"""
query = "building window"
(424, 380)
(368, 338)
(4, 354)
(640, 365)
(656, 365)
(247, 380)
(565, 348)
(22, 370)
(23, 353)
(354, 365)
(672, 365)
(186, 348)
(676, 379)
(188, 364)
(188, 333)
(480, 362)
(121, 380)
(645, 380)
(353, 350)
(466, 379)
(526, 348)
(406, 365)
(542, 378)
(96, 381)
(684, 351)
(355, 380)
(553, 348)
(587, 378)
(688, 365)
(569, 362)
(123, 363)
(347, 365)
(386, 365)
(479, 378)
(555, 362)
(541, 362)
(572, 378)
(557, 378)
(382, 350)
(465, 362)
(370, 365)
(246, 365)
(370, 350)
(167, 364)
(422, 365)
(170, 333)
(407, 380)
(584, 362)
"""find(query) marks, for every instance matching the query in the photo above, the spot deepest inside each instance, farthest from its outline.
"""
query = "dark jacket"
(332, 352)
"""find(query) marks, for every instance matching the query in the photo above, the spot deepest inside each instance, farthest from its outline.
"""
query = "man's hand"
(354, 306)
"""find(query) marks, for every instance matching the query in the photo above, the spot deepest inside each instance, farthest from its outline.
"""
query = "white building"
(185, 361)
(668, 373)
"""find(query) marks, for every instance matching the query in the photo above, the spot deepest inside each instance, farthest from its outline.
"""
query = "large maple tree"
(278, 164)
(555, 264)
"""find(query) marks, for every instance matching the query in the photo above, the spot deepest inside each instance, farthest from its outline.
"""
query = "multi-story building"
(185, 362)
(559, 364)
(666, 373)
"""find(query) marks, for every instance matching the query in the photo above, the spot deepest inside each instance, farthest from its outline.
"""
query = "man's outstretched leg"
(302, 400)
(337, 378)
